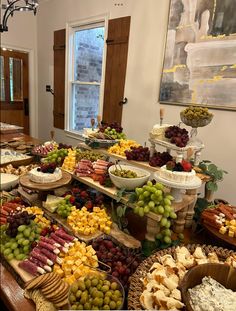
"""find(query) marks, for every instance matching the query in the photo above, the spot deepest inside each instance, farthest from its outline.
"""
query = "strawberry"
(72, 200)
(187, 166)
(89, 204)
(84, 194)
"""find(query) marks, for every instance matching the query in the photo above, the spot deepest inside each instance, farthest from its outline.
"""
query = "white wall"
(22, 35)
(147, 38)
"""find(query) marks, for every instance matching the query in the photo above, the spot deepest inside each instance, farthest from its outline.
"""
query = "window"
(85, 74)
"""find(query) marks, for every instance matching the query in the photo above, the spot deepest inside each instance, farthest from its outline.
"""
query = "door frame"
(33, 86)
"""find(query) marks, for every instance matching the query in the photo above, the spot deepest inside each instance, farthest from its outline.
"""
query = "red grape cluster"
(16, 220)
(177, 136)
(47, 168)
(64, 146)
(138, 153)
(160, 159)
(122, 262)
(113, 125)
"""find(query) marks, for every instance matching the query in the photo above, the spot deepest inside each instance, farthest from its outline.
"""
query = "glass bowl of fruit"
(128, 177)
(96, 291)
(196, 116)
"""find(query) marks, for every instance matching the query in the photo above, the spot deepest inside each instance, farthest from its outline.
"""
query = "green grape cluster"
(152, 198)
(114, 134)
(56, 156)
(95, 293)
(124, 173)
(19, 247)
(88, 155)
(64, 207)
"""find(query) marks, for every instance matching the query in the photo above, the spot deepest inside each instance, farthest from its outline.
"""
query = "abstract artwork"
(200, 54)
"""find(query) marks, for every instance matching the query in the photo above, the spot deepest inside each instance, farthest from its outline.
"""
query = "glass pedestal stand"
(194, 140)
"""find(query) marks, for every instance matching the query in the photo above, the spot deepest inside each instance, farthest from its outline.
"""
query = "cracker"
(53, 283)
(54, 292)
(62, 295)
(51, 288)
(62, 303)
(37, 282)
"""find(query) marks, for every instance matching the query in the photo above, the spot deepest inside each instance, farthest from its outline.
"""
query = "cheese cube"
(222, 230)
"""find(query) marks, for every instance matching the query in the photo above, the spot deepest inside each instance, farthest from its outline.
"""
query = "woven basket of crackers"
(48, 291)
(155, 283)
(98, 290)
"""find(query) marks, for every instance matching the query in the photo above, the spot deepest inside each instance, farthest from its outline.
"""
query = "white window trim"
(70, 28)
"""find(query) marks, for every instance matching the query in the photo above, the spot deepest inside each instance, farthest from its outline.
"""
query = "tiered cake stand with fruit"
(179, 151)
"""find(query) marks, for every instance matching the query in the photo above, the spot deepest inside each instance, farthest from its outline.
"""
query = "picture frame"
(199, 61)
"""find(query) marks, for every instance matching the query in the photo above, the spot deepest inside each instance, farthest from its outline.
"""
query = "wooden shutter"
(116, 61)
(59, 78)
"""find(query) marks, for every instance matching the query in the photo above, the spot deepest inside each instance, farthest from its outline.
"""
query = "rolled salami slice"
(38, 255)
(49, 241)
(53, 257)
(48, 246)
(62, 234)
(40, 264)
(31, 267)
(59, 240)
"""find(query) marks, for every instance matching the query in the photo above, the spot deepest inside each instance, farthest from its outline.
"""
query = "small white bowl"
(8, 181)
(129, 183)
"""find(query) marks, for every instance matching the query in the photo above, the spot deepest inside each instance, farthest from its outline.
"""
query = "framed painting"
(200, 54)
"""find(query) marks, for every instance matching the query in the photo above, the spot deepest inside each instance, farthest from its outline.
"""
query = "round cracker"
(37, 281)
(52, 287)
(62, 303)
(62, 295)
(53, 292)
(54, 283)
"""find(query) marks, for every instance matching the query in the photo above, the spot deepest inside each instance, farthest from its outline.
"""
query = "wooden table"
(12, 293)
(18, 136)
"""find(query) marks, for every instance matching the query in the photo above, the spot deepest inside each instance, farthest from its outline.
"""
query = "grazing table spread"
(94, 228)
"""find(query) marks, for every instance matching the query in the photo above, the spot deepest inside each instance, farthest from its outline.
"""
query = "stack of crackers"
(48, 288)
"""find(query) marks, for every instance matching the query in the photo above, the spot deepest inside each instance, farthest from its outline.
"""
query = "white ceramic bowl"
(8, 181)
(129, 183)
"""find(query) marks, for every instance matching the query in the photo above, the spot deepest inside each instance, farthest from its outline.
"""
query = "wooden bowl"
(224, 274)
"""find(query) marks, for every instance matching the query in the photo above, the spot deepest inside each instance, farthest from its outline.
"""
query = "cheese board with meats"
(221, 222)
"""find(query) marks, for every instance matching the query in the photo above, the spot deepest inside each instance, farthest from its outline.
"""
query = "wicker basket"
(136, 286)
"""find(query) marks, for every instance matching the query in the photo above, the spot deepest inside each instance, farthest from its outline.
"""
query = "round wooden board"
(223, 237)
(26, 182)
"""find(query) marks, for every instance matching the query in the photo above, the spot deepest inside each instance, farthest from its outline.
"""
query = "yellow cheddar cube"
(222, 230)
(231, 233)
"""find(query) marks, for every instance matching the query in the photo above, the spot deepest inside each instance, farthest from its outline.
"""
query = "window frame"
(71, 28)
